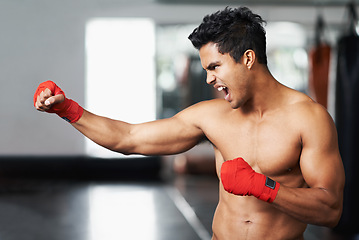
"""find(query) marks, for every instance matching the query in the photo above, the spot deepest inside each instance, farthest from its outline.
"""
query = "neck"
(265, 95)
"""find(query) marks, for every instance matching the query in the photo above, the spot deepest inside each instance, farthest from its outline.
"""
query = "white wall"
(39, 40)
(44, 39)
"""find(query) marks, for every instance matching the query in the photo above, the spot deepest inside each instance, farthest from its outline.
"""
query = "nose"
(210, 78)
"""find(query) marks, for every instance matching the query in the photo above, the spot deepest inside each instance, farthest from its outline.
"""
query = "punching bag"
(319, 62)
(347, 122)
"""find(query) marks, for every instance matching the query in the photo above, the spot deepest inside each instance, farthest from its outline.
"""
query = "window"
(120, 80)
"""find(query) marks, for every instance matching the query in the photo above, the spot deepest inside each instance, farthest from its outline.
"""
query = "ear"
(249, 57)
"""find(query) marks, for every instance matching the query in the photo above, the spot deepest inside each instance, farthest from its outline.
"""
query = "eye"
(213, 67)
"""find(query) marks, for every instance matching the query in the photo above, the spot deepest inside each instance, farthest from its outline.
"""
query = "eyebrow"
(212, 65)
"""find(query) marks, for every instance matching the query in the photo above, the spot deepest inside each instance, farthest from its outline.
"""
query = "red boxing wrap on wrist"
(239, 178)
(69, 110)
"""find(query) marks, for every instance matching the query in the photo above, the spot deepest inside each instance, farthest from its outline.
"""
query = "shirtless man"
(276, 150)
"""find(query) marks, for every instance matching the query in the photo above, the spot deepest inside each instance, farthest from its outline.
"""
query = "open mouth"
(225, 90)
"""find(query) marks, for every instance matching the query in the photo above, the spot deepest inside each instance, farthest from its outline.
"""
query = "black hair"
(234, 31)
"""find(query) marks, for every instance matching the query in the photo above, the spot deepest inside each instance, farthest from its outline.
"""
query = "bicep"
(166, 136)
(320, 160)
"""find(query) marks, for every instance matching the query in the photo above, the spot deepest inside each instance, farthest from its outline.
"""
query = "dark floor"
(106, 210)
(97, 208)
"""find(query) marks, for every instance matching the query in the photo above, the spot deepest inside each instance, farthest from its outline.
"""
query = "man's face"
(226, 75)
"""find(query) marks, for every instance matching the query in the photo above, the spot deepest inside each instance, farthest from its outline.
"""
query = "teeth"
(220, 89)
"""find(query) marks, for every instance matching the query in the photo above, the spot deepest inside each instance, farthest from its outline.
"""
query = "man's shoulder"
(304, 105)
(300, 102)
(204, 109)
(307, 113)
(213, 105)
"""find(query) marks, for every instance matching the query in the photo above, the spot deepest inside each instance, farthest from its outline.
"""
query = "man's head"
(234, 31)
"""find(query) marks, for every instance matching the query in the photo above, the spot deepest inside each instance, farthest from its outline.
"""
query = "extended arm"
(168, 136)
(161, 137)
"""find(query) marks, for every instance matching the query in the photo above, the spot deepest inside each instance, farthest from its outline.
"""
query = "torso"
(272, 146)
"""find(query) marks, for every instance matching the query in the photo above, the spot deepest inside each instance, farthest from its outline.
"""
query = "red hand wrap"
(69, 110)
(239, 178)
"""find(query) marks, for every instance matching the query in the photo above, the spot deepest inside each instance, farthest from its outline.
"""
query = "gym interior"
(57, 185)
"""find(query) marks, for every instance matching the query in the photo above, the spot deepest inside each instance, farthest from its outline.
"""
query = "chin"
(234, 105)
(237, 103)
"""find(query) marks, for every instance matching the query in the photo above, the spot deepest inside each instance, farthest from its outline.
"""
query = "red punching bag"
(319, 62)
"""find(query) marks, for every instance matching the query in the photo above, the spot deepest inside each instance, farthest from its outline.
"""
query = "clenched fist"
(50, 98)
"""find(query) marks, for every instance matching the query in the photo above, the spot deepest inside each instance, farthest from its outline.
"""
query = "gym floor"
(76, 198)
(179, 209)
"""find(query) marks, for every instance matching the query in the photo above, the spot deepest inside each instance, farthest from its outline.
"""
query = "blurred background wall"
(45, 39)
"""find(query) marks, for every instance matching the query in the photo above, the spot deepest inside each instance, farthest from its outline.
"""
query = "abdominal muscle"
(238, 218)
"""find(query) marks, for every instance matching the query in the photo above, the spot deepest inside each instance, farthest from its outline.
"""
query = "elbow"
(128, 147)
(329, 220)
(126, 144)
(331, 216)
(122, 146)
(333, 210)
(123, 149)
(334, 218)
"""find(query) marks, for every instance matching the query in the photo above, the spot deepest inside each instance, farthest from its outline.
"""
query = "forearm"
(109, 133)
(310, 205)
(315, 205)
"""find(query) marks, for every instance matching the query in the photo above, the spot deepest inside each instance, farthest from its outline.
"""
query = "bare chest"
(271, 147)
